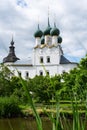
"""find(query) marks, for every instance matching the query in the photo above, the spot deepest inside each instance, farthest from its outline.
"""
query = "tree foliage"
(43, 88)
(76, 80)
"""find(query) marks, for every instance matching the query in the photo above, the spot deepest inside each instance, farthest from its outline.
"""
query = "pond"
(23, 124)
(29, 124)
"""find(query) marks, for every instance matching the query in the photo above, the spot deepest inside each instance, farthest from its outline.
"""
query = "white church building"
(47, 56)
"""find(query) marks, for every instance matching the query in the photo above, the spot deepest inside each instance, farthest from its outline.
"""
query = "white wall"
(53, 67)
(53, 53)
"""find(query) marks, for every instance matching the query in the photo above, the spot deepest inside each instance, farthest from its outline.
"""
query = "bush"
(9, 107)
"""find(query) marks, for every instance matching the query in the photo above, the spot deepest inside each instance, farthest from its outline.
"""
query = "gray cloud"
(20, 18)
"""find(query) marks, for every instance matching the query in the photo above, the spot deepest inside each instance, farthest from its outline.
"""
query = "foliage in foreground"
(77, 124)
(73, 83)
(58, 122)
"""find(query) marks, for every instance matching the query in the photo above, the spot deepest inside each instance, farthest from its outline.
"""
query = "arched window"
(27, 75)
(41, 72)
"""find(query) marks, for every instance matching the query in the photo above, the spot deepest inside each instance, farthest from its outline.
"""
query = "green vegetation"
(9, 107)
(43, 88)
(62, 93)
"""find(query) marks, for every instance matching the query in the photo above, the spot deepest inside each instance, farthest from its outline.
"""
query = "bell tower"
(11, 57)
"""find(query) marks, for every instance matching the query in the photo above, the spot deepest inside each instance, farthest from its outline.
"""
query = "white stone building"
(47, 56)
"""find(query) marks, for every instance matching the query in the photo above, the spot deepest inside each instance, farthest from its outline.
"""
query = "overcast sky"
(20, 18)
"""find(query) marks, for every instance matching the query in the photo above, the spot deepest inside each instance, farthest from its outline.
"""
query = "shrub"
(9, 107)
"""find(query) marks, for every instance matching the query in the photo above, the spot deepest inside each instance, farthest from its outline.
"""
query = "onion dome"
(38, 33)
(47, 31)
(59, 39)
(55, 31)
(11, 57)
(42, 40)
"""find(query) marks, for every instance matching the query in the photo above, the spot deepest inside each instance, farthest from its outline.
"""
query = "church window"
(41, 73)
(47, 72)
(19, 73)
(27, 75)
(48, 59)
(41, 59)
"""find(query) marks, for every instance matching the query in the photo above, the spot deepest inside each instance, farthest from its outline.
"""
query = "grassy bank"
(65, 108)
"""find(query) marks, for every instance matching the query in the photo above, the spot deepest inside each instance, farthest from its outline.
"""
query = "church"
(47, 56)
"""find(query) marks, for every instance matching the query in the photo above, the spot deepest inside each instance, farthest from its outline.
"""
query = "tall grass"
(38, 119)
(58, 124)
(55, 119)
(78, 122)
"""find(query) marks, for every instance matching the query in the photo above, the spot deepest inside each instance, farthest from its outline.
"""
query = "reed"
(37, 117)
(58, 124)
(78, 122)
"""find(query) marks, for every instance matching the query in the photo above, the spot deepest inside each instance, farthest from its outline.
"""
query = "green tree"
(81, 78)
(76, 80)
(5, 75)
(44, 87)
(39, 87)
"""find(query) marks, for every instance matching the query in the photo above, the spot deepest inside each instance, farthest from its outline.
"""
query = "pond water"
(23, 124)
(29, 124)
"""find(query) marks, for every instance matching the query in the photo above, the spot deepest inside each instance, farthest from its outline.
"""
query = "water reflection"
(30, 124)
(23, 124)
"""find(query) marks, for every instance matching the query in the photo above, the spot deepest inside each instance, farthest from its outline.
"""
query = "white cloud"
(20, 18)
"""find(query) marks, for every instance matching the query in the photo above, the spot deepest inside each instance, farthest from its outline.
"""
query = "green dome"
(42, 40)
(38, 33)
(47, 31)
(55, 31)
(59, 39)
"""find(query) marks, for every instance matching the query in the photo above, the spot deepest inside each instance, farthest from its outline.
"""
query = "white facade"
(47, 57)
